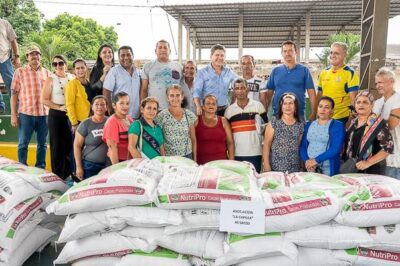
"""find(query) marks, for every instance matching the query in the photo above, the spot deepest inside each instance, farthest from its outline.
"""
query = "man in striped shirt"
(246, 117)
(27, 84)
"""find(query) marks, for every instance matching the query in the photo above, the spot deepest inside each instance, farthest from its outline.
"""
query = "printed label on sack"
(120, 253)
(105, 191)
(297, 207)
(31, 208)
(378, 254)
(242, 217)
(50, 178)
(203, 197)
(394, 204)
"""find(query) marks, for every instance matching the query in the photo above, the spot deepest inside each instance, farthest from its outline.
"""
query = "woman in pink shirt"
(115, 132)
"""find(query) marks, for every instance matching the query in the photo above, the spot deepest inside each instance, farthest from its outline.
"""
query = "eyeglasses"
(60, 63)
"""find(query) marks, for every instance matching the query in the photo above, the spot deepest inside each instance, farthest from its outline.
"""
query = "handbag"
(349, 166)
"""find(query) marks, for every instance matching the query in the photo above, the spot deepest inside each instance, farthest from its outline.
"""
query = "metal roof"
(269, 23)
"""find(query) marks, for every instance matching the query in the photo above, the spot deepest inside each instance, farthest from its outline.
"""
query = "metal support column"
(298, 43)
(188, 43)
(374, 28)
(180, 40)
(199, 62)
(291, 35)
(194, 46)
(308, 35)
(240, 44)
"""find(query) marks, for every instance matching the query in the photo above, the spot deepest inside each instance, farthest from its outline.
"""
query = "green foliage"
(51, 45)
(86, 33)
(352, 40)
(23, 16)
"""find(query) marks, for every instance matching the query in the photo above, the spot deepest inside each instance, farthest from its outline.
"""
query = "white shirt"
(384, 108)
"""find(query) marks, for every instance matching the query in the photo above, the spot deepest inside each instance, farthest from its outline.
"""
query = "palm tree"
(352, 40)
(51, 45)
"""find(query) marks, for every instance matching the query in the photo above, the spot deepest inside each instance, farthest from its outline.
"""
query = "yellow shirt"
(76, 101)
(337, 85)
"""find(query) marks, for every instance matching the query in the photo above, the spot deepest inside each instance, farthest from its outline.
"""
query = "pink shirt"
(117, 130)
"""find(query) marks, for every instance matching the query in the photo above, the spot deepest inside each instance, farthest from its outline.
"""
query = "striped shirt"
(28, 84)
(246, 135)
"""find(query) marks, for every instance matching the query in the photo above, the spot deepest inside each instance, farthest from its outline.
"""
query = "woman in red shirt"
(213, 134)
(115, 132)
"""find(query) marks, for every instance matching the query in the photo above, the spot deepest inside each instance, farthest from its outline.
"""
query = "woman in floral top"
(177, 124)
(368, 139)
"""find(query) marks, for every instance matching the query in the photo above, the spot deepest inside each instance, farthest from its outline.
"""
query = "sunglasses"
(55, 64)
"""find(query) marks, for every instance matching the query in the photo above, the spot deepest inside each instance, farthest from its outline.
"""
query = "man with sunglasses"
(339, 81)
(291, 77)
(31, 115)
(7, 38)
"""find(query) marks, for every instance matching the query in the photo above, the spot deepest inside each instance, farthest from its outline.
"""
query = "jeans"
(255, 160)
(6, 72)
(91, 169)
(392, 172)
(27, 125)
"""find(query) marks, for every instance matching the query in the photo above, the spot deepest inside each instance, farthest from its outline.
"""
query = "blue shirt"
(318, 140)
(118, 79)
(208, 82)
(296, 80)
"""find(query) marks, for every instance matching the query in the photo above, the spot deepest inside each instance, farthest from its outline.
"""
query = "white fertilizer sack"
(101, 244)
(120, 188)
(203, 243)
(243, 248)
(159, 257)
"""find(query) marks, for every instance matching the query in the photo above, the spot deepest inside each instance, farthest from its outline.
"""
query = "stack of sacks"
(24, 226)
(112, 215)
(347, 238)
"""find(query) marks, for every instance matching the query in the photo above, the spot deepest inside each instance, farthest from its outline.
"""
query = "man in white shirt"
(255, 84)
(388, 107)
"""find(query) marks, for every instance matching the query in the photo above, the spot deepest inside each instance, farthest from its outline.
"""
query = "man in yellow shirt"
(340, 82)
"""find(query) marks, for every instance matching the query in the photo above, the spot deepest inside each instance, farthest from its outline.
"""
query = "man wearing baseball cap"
(27, 84)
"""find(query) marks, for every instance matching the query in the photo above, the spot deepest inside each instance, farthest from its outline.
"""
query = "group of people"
(118, 112)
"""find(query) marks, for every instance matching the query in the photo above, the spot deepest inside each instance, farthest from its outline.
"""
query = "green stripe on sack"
(163, 199)
(10, 234)
(63, 199)
(352, 251)
(235, 238)
(159, 252)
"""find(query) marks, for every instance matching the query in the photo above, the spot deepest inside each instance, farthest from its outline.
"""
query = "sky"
(140, 24)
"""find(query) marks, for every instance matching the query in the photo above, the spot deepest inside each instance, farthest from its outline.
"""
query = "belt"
(219, 108)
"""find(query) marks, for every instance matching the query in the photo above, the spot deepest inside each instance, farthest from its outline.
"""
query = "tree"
(86, 33)
(51, 45)
(23, 16)
(352, 40)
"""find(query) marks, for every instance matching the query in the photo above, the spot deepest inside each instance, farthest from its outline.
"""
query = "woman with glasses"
(177, 124)
(53, 97)
(368, 141)
(90, 151)
(322, 140)
(104, 62)
(282, 137)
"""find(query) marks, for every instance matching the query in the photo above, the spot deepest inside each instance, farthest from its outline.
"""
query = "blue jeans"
(392, 172)
(91, 169)
(6, 72)
(27, 125)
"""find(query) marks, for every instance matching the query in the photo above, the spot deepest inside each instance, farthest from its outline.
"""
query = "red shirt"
(117, 130)
(211, 142)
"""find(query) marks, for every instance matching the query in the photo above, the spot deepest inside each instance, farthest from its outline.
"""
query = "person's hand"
(79, 173)
(62, 108)
(106, 68)
(267, 167)
(362, 165)
(73, 129)
(17, 62)
(14, 120)
(198, 110)
(311, 165)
